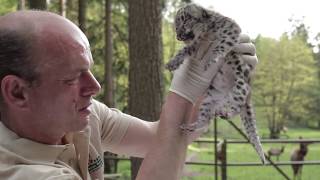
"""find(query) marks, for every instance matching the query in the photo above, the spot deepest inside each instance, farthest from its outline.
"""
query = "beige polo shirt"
(81, 158)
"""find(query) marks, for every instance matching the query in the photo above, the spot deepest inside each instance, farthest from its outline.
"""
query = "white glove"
(190, 80)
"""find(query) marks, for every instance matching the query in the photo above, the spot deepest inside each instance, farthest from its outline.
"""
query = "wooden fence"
(223, 164)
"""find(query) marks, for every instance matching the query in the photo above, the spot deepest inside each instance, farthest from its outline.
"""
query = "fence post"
(215, 149)
(267, 157)
(224, 160)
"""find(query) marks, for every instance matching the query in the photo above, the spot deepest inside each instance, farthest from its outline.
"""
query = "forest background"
(131, 40)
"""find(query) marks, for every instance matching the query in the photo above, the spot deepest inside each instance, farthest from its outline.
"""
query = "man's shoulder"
(97, 104)
(97, 107)
(36, 172)
(102, 111)
(16, 167)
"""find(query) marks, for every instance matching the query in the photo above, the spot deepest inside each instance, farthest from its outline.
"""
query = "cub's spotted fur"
(195, 24)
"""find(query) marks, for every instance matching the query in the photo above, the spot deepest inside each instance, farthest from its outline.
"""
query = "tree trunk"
(110, 165)
(21, 5)
(273, 121)
(38, 4)
(63, 8)
(274, 134)
(108, 93)
(72, 10)
(82, 15)
(145, 70)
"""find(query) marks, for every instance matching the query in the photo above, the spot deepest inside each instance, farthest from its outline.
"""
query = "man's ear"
(13, 90)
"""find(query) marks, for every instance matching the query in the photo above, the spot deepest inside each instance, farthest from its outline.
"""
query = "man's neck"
(35, 134)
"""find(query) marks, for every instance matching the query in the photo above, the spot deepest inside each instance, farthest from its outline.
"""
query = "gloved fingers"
(189, 80)
(205, 74)
(203, 50)
(252, 60)
(194, 70)
(245, 48)
(183, 68)
(244, 38)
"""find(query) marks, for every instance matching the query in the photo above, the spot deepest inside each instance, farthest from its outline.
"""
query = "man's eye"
(71, 81)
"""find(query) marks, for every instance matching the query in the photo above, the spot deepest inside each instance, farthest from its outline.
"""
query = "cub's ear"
(205, 14)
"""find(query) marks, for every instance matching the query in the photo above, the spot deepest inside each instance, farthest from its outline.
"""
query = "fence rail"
(233, 141)
(281, 163)
(224, 164)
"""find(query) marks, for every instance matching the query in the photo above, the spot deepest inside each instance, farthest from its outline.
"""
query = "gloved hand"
(190, 80)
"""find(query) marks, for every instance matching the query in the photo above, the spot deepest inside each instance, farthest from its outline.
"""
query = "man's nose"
(90, 86)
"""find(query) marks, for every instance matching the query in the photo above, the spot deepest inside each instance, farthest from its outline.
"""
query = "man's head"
(46, 83)
(15, 52)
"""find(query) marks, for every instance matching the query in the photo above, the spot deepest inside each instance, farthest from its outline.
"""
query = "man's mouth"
(85, 108)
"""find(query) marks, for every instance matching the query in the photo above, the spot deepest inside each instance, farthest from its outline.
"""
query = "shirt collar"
(35, 151)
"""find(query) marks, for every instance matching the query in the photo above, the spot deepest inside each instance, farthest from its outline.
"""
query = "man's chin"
(82, 123)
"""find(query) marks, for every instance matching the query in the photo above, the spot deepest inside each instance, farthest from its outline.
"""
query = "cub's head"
(187, 19)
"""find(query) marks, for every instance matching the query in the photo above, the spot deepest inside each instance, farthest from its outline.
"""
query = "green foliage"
(7, 6)
(242, 153)
(286, 85)
(95, 34)
(170, 44)
(170, 47)
(121, 52)
(285, 73)
(120, 29)
(95, 23)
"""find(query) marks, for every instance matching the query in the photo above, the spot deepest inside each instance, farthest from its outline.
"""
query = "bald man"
(51, 128)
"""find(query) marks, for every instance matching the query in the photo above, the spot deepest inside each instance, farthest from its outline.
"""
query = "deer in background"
(275, 152)
(222, 157)
(298, 154)
(220, 154)
(283, 131)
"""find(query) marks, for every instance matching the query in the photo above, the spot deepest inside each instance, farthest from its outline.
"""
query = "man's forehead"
(39, 22)
(61, 47)
(53, 36)
(58, 43)
(57, 36)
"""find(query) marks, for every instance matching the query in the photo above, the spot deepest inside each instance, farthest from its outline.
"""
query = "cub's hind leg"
(206, 112)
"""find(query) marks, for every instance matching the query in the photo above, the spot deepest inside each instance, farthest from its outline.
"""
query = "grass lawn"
(245, 153)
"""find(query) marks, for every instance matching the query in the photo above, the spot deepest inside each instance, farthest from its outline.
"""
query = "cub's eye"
(182, 18)
(188, 16)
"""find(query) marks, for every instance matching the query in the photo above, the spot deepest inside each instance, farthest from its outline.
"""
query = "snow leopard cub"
(194, 24)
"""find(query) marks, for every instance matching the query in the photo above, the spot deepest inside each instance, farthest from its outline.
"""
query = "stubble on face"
(54, 108)
(64, 54)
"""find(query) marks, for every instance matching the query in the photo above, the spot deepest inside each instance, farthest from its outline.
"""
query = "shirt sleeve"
(113, 124)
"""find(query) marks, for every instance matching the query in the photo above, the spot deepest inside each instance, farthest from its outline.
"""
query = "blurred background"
(131, 40)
